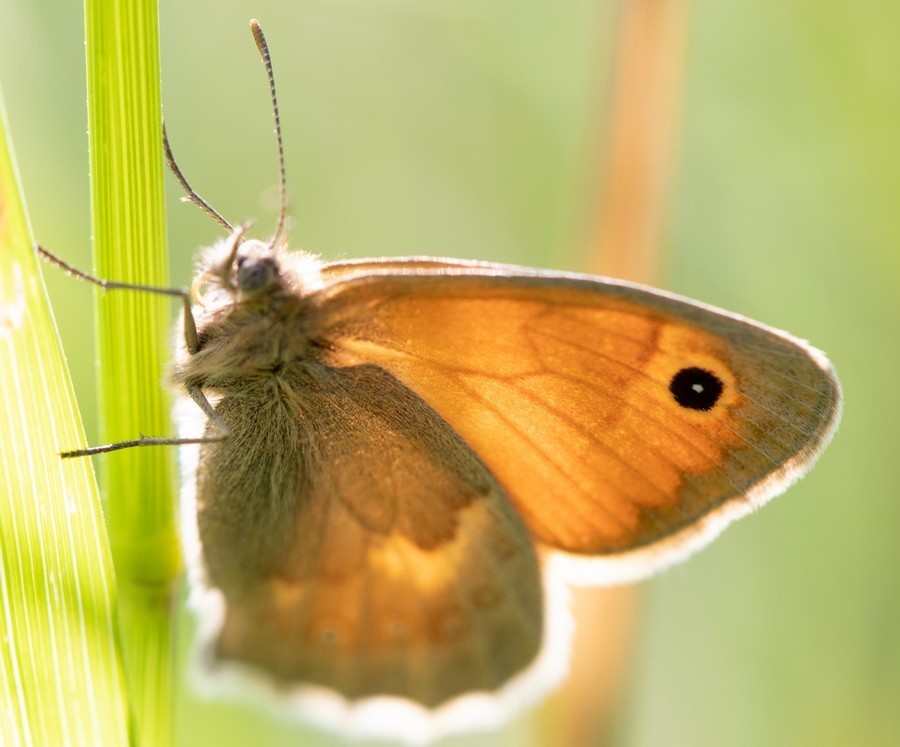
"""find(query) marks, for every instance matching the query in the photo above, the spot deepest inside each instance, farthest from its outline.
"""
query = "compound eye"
(255, 275)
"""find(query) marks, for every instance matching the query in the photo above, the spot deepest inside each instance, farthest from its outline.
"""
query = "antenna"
(191, 195)
(263, 48)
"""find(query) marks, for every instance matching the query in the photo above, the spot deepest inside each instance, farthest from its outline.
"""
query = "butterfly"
(396, 450)
(409, 436)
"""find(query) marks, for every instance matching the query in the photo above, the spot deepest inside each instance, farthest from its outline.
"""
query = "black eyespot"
(696, 388)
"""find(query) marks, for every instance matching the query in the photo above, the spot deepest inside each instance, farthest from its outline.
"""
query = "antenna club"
(258, 35)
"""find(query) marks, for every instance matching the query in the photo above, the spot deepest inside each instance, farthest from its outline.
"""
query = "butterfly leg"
(191, 342)
(224, 432)
(190, 327)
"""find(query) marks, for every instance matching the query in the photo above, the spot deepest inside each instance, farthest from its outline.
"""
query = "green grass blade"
(60, 679)
(128, 219)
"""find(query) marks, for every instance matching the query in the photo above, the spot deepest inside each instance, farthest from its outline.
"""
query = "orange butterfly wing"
(565, 387)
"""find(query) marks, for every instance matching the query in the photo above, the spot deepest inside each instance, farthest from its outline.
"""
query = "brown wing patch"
(394, 565)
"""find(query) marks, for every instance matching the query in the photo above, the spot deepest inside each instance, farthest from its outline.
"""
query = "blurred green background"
(472, 129)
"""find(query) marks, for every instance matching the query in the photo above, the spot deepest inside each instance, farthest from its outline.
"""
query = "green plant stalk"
(128, 221)
(60, 677)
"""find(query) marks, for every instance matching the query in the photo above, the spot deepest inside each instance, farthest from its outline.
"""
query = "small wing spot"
(329, 636)
(328, 633)
(486, 596)
(450, 626)
(397, 631)
(696, 388)
(504, 548)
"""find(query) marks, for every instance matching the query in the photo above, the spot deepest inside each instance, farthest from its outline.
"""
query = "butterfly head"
(244, 270)
(254, 270)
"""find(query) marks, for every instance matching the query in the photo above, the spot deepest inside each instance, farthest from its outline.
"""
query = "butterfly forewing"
(616, 417)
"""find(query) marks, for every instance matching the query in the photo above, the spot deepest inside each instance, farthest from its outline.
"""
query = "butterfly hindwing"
(392, 563)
